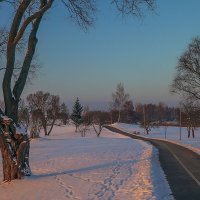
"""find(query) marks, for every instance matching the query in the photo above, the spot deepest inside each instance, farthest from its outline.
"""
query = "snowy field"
(172, 134)
(111, 167)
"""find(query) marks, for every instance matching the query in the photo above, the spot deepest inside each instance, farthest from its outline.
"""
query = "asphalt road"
(181, 166)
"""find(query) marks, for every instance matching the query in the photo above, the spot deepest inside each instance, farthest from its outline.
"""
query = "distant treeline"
(135, 114)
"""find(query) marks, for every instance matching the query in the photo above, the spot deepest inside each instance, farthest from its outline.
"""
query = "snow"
(5, 118)
(110, 167)
(21, 130)
(172, 135)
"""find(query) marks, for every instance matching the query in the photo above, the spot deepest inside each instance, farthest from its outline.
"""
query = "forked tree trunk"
(99, 129)
(14, 147)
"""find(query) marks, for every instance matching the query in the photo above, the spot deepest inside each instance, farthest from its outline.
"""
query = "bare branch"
(81, 11)
(3, 40)
(17, 20)
(31, 19)
(133, 7)
(32, 41)
(34, 68)
(187, 79)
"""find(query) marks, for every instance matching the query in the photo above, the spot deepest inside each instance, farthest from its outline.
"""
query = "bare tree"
(190, 116)
(64, 114)
(133, 7)
(47, 108)
(27, 19)
(119, 98)
(99, 120)
(187, 78)
(187, 84)
(24, 114)
(19, 25)
(149, 117)
(128, 112)
(35, 123)
(83, 128)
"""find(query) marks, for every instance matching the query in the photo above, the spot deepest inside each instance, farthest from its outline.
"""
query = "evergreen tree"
(76, 115)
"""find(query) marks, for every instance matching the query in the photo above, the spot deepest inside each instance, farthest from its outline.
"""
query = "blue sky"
(140, 53)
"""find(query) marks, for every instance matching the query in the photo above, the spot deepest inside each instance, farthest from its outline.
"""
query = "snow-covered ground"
(172, 134)
(111, 167)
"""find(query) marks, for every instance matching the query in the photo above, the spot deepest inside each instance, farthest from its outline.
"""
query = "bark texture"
(14, 147)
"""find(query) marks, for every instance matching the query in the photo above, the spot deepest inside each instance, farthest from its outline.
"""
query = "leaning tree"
(28, 15)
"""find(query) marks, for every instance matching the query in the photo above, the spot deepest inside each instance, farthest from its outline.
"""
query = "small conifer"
(76, 115)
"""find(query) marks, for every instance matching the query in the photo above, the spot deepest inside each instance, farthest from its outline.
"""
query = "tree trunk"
(119, 116)
(12, 97)
(111, 118)
(45, 128)
(44, 123)
(188, 130)
(11, 102)
(51, 128)
(11, 109)
(147, 129)
(98, 131)
(193, 129)
(15, 151)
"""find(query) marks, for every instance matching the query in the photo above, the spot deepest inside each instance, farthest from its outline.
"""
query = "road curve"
(181, 166)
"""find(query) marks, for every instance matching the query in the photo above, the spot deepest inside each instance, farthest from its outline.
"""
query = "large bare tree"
(26, 22)
(27, 18)
(187, 79)
(18, 27)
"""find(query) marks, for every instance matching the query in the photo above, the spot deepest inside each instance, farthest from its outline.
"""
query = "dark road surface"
(181, 166)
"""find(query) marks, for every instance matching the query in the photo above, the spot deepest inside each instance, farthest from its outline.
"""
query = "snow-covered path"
(112, 167)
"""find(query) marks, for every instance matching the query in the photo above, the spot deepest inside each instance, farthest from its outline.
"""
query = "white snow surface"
(5, 118)
(173, 135)
(21, 130)
(68, 166)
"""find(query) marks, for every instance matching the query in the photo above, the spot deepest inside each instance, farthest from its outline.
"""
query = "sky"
(140, 53)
